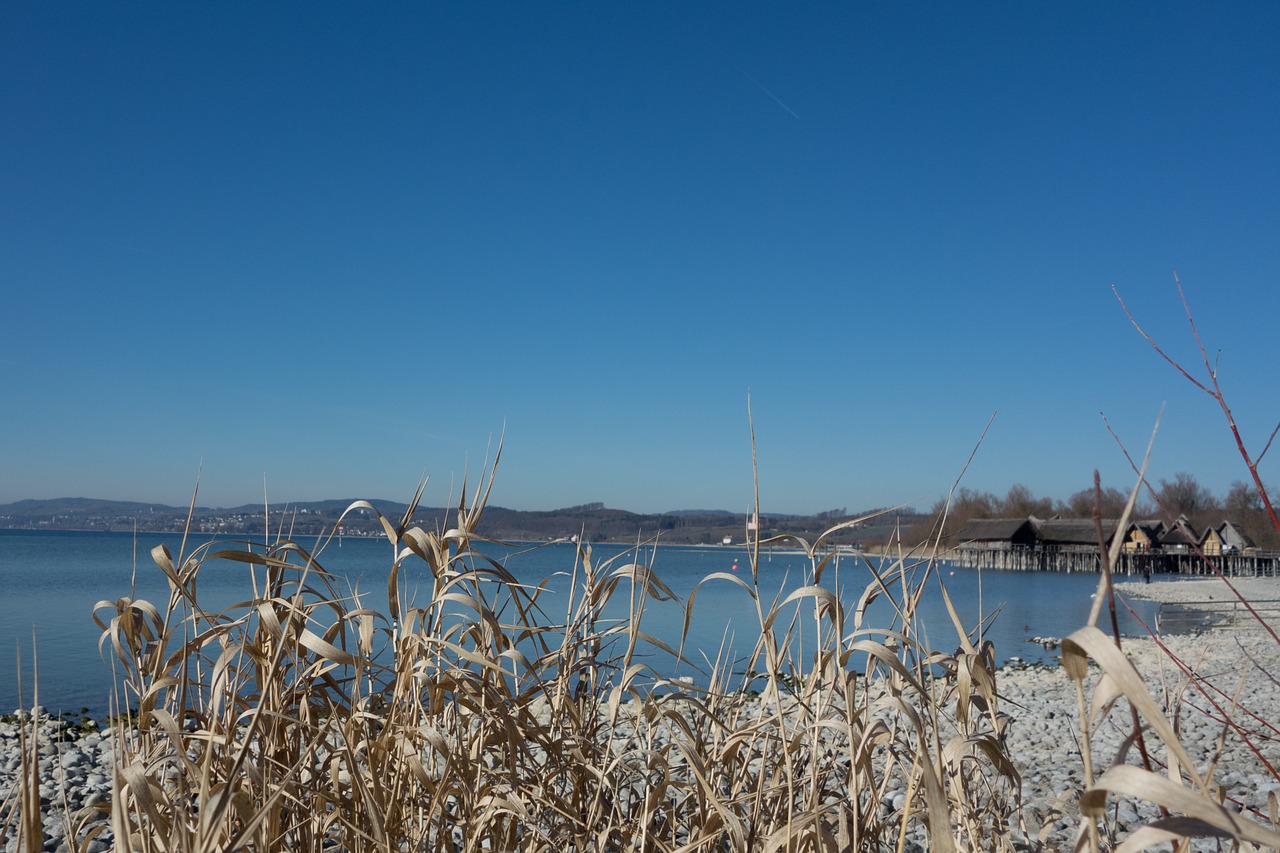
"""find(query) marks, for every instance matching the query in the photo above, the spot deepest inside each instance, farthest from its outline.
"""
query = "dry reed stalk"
(302, 719)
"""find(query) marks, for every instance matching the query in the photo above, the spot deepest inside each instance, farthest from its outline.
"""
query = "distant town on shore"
(593, 522)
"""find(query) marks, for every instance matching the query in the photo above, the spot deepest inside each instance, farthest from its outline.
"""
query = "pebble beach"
(1240, 659)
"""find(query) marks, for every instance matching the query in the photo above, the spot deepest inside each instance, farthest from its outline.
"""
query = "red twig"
(1213, 389)
(1268, 445)
(1207, 690)
(1186, 535)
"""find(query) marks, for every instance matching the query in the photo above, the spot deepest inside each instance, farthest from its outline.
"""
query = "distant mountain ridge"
(591, 522)
(75, 506)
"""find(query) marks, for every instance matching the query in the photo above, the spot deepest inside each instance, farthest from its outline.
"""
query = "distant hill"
(699, 512)
(75, 506)
(593, 522)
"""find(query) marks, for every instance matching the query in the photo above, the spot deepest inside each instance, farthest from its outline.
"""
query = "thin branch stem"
(1268, 444)
(1155, 346)
(1213, 389)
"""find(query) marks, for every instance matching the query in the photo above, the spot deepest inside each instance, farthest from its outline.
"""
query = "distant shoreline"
(591, 522)
(378, 535)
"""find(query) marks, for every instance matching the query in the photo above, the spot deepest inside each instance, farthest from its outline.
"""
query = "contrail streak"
(759, 85)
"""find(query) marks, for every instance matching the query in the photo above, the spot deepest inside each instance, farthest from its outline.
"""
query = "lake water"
(52, 581)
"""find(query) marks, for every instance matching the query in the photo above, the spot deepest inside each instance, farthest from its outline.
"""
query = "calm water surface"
(52, 580)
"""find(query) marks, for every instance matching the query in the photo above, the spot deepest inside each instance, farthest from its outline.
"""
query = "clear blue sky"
(337, 245)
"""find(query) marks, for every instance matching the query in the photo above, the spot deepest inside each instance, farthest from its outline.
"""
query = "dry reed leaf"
(936, 802)
(1170, 831)
(1127, 780)
(965, 643)
(429, 547)
(824, 598)
(869, 594)
(806, 833)
(972, 676)
(886, 656)
(647, 579)
(958, 748)
(1090, 642)
(147, 794)
(325, 649)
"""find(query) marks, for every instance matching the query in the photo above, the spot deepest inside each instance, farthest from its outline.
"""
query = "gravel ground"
(1045, 737)
(1241, 659)
(1202, 589)
(75, 775)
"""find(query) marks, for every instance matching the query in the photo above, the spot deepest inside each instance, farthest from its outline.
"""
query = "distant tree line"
(1181, 495)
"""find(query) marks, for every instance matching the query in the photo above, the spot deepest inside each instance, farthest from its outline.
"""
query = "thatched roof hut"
(1074, 531)
(1007, 531)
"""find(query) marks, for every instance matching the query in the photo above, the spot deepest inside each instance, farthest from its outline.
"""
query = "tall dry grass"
(477, 716)
(472, 715)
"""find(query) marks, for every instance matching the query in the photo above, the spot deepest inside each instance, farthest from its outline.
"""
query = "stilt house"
(1071, 544)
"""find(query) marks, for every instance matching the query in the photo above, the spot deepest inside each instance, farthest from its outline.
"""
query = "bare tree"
(1242, 499)
(1080, 504)
(1183, 495)
(1244, 509)
(1020, 502)
(966, 504)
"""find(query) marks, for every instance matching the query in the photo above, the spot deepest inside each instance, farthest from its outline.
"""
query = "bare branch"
(1214, 390)
(1258, 461)
(1175, 365)
(1140, 471)
(1195, 334)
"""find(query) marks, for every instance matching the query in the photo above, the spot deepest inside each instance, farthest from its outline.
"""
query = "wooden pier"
(1177, 617)
(1020, 558)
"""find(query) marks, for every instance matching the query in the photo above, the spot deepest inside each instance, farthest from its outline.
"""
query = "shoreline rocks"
(75, 761)
(1241, 661)
(1046, 739)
